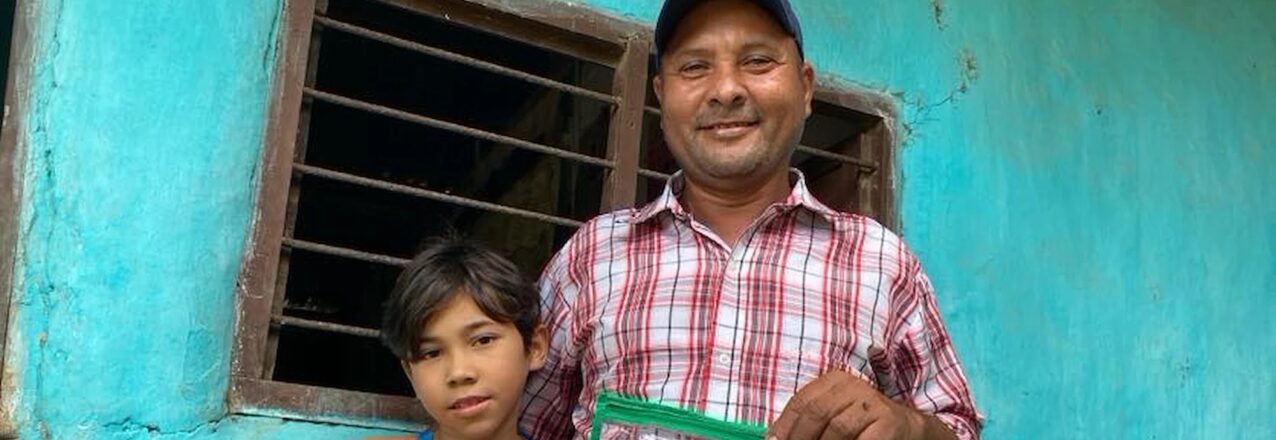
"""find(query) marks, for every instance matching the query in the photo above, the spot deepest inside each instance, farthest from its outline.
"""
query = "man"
(737, 293)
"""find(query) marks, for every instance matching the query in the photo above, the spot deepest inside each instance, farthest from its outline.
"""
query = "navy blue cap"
(673, 11)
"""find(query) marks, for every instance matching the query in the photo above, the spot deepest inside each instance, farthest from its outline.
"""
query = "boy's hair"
(449, 266)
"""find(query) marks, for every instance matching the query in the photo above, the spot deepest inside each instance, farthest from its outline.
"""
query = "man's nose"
(728, 91)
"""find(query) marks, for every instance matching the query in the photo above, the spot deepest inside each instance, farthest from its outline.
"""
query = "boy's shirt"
(429, 435)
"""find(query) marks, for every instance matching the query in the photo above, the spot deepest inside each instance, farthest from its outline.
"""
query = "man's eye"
(694, 68)
(758, 62)
(484, 340)
(430, 354)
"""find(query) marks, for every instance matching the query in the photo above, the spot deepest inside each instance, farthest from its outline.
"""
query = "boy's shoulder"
(426, 435)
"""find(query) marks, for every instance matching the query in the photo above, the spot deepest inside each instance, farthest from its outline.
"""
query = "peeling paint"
(969, 68)
(142, 156)
(1060, 157)
(937, 11)
(1093, 210)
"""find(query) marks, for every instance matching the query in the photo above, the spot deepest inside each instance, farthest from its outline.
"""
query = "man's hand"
(839, 405)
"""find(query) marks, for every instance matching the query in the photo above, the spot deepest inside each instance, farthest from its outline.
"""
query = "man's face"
(734, 92)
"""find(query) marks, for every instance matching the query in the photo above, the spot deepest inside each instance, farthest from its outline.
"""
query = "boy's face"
(473, 371)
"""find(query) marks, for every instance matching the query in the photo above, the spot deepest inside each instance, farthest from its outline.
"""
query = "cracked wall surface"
(143, 135)
(1089, 184)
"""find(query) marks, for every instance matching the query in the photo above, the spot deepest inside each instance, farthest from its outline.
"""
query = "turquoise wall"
(143, 136)
(1092, 186)
(1085, 182)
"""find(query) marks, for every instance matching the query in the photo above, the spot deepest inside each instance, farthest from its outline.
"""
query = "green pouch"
(614, 407)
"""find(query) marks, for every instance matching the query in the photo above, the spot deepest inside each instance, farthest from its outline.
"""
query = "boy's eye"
(429, 353)
(484, 340)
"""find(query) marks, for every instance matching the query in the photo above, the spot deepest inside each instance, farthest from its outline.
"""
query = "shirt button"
(724, 359)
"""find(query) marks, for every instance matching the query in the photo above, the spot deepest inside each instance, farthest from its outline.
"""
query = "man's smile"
(729, 129)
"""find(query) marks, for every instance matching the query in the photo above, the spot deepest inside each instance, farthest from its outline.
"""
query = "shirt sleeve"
(552, 392)
(926, 370)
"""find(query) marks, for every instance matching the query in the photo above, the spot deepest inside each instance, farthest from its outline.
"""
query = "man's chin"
(732, 172)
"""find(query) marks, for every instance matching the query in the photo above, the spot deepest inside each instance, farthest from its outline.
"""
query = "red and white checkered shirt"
(650, 302)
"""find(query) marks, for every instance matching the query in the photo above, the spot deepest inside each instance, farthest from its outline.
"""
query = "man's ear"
(657, 84)
(537, 348)
(808, 84)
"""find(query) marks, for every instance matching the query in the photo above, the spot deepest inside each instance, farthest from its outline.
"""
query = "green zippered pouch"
(614, 407)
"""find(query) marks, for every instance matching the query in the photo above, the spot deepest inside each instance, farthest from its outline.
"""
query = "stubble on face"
(734, 93)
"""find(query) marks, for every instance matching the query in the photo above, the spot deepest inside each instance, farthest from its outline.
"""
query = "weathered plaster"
(1088, 183)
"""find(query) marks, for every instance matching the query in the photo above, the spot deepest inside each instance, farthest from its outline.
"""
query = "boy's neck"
(507, 431)
(440, 435)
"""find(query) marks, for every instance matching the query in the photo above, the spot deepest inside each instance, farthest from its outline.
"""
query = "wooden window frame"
(572, 29)
(12, 161)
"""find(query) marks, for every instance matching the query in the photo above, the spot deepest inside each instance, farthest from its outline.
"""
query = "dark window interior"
(349, 291)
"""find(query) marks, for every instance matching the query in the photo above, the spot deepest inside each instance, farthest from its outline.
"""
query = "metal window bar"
(431, 195)
(331, 327)
(653, 174)
(462, 59)
(865, 165)
(455, 128)
(336, 251)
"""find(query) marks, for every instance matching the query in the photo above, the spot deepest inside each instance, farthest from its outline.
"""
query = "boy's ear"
(407, 371)
(537, 348)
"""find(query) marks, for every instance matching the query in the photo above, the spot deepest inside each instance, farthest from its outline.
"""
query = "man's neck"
(728, 208)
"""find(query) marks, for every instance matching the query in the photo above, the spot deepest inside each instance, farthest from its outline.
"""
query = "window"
(395, 120)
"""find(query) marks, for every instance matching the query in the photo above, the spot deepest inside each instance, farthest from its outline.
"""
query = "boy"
(466, 326)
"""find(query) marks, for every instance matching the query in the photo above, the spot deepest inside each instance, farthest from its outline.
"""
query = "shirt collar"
(799, 195)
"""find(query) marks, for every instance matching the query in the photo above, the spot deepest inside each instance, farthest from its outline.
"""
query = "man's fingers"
(809, 412)
(851, 423)
(806, 428)
(876, 431)
(779, 429)
(782, 427)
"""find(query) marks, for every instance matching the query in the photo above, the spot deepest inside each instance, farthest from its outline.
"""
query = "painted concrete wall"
(142, 141)
(1092, 187)
(1089, 183)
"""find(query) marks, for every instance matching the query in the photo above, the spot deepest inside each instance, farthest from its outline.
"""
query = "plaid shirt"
(650, 302)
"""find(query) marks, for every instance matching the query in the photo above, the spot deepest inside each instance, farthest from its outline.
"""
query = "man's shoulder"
(624, 216)
(850, 225)
(600, 232)
(606, 226)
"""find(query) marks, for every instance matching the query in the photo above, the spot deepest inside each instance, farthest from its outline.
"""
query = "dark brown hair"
(450, 266)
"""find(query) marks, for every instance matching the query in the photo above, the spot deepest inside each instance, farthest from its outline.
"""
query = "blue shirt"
(429, 435)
